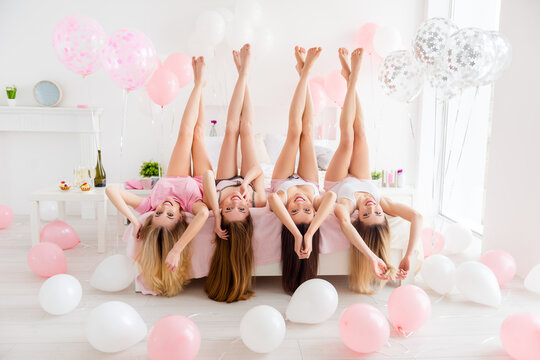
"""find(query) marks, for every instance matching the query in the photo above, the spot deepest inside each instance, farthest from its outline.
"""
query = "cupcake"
(85, 187)
(64, 186)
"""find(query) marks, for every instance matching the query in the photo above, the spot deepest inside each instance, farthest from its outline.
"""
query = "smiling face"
(369, 211)
(167, 213)
(301, 209)
(234, 208)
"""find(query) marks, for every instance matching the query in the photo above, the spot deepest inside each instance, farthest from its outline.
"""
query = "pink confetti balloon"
(174, 337)
(77, 41)
(163, 87)
(59, 233)
(47, 259)
(180, 64)
(129, 58)
(6, 216)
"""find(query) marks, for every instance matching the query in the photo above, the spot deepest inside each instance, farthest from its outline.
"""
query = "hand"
(173, 258)
(243, 189)
(222, 234)
(403, 268)
(298, 240)
(308, 245)
(379, 268)
(136, 230)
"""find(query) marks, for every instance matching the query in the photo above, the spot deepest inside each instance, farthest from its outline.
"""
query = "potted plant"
(11, 92)
(376, 176)
(150, 171)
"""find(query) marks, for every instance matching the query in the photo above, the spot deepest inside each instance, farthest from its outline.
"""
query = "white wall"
(27, 57)
(513, 173)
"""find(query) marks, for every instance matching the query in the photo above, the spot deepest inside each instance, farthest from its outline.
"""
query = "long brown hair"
(295, 271)
(377, 238)
(157, 242)
(230, 275)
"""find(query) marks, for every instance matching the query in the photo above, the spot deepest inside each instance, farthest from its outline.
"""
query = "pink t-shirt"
(186, 190)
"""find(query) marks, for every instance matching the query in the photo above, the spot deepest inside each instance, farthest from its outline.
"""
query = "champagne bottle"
(101, 179)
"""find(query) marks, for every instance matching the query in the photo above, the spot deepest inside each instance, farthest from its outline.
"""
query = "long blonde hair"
(157, 242)
(230, 275)
(377, 238)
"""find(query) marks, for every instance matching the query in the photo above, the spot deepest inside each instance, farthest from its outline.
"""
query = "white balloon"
(115, 273)
(478, 283)
(48, 210)
(227, 15)
(263, 42)
(458, 238)
(532, 281)
(439, 273)
(210, 27)
(60, 294)
(313, 302)
(114, 326)
(386, 40)
(197, 47)
(239, 33)
(262, 329)
(249, 10)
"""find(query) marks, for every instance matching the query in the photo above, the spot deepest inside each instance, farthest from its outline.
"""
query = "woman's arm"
(378, 266)
(122, 199)
(412, 216)
(211, 200)
(255, 176)
(201, 215)
(277, 206)
(323, 207)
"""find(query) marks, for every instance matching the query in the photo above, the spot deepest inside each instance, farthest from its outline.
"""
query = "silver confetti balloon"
(444, 84)
(430, 41)
(468, 56)
(400, 76)
(502, 57)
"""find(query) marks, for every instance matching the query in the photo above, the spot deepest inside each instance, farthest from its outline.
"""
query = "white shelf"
(49, 119)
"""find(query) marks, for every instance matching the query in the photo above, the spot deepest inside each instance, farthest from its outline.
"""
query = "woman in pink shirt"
(164, 256)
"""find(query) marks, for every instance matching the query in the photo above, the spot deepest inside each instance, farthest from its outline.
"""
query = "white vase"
(11, 102)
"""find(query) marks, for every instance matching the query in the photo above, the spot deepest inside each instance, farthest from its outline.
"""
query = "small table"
(96, 195)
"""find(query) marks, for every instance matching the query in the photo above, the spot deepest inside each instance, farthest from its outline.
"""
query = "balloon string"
(434, 175)
(411, 125)
(463, 142)
(123, 124)
(454, 128)
(161, 142)
(228, 348)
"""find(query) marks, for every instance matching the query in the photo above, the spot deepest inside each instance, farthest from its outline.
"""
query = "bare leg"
(307, 162)
(285, 163)
(339, 165)
(227, 165)
(201, 161)
(360, 156)
(180, 162)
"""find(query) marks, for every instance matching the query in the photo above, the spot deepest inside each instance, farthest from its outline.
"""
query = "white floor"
(457, 329)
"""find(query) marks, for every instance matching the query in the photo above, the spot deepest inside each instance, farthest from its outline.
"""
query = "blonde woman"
(231, 196)
(348, 176)
(295, 197)
(165, 235)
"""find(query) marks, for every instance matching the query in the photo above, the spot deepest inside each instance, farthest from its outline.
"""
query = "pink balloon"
(318, 96)
(129, 58)
(520, 336)
(409, 308)
(433, 242)
(364, 38)
(163, 87)
(317, 80)
(174, 337)
(6, 216)
(180, 65)
(77, 40)
(363, 328)
(335, 87)
(59, 233)
(47, 259)
(501, 263)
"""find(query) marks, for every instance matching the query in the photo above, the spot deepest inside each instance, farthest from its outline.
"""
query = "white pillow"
(324, 155)
(274, 143)
(213, 147)
(260, 149)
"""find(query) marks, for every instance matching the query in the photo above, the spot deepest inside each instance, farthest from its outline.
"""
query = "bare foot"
(245, 57)
(200, 67)
(356, 59)
(300, 54)
(344, 59)
(236, 58)
(311, 56)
